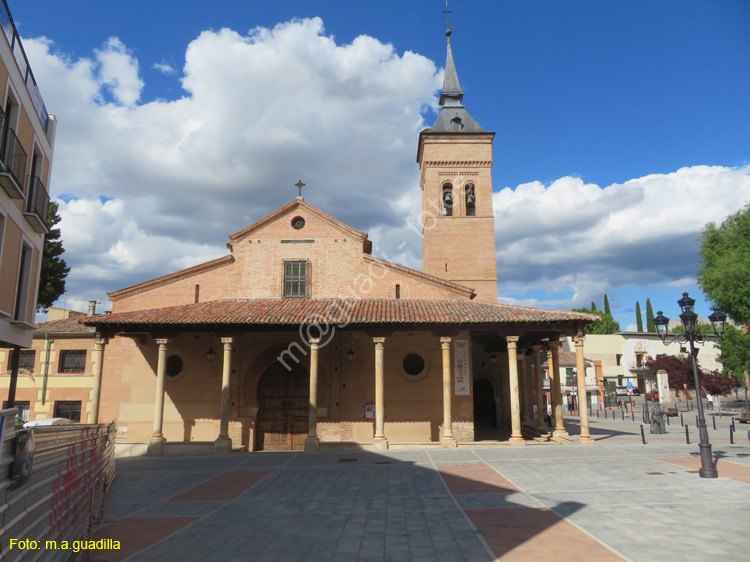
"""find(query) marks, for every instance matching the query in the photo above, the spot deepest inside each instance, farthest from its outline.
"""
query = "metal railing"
(13, 155)
(38, 200)
(16, 47)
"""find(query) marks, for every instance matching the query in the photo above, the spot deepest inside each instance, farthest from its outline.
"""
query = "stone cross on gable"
(300, 185)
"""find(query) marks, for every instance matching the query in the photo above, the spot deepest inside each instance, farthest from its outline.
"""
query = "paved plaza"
(617, 499)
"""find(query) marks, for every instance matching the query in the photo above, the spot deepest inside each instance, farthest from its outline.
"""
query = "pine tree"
(54, 269)
(606, 305)
(638, 316)
(650, 326)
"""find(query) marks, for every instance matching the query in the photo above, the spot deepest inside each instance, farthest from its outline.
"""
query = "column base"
(154, 447)
(312, 444)
(517, 441)
(448, 441)
(560, 433)
(222, 446)
(586, 440)
(380, 443)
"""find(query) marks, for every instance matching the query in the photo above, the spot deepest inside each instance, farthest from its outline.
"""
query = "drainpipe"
(45, 366)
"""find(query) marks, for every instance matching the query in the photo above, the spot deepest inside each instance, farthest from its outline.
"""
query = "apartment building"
(27, 137)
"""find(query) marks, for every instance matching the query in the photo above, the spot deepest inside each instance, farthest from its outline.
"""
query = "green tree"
(638, 316)
(607, 324)
(650, 326)
(54, 269)
(735, 352)
(606, 305)
(724, 269)
(593, 306)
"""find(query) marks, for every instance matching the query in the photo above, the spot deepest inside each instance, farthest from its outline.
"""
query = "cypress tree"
(54, 269)
(593, 306)
(650, 326)
(606, 305)
(638, 316)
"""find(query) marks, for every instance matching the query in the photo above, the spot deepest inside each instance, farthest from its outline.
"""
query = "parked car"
(636, 392)
(48, 422)
(623, 391)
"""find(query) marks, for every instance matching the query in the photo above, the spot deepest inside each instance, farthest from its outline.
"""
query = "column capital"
(162, 342)
(314, 343)
(579, 340)
(378, 341)
(227, 340)
(553, 344)
(445, 342)
(536, 348)
(512, 341)
(100, 341)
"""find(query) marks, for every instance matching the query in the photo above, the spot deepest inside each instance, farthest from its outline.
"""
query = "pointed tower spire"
(453, 117)
(452, 94)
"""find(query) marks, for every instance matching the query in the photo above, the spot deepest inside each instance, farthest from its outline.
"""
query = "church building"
(299, 338)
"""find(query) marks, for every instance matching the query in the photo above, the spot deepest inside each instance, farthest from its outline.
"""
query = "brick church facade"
(300, 338)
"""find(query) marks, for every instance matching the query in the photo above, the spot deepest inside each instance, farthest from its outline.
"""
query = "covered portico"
(312, 373)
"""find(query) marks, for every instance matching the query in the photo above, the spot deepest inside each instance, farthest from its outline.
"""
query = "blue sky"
(618, 95)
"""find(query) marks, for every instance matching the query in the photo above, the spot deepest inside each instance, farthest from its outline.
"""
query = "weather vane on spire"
(447, 13)
(299, 185)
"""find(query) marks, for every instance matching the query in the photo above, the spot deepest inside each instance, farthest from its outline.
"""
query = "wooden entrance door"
(284, 407)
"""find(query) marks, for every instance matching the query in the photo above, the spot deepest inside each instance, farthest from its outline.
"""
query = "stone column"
(157, 437)
(224, 444)
(447, 440)
(540, 425)
(583, 401)
(379, 442)
(97, 361)
(312, 443)
(556, 391)
(516, 438)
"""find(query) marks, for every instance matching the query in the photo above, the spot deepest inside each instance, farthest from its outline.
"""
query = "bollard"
(733, 427)
(681, 420)
(632, 415)
(714, 418)
(643, 435)
(687, 435)
(597, 413)
(696, 422)
(731, 435)
(623, 414)
(667, 419)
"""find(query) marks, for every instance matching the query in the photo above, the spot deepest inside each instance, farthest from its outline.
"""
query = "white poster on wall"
(461, 366)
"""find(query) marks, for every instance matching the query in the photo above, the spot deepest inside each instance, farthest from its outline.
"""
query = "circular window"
(174, 365)
(413, 364)
(298, 223)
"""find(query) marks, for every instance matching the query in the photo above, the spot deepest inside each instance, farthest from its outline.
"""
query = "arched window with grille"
(447, 200)
(470, 195)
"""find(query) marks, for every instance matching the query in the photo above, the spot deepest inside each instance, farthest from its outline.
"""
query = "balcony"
(12, 164)
(37, 205)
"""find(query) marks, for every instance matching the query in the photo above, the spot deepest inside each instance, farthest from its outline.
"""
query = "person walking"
(710, 401)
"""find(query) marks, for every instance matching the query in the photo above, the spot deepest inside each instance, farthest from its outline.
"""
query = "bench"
(671, 412)
(743, 418)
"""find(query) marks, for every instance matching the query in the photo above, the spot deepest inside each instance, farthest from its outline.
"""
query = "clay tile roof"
(66, 325)
(290, 312)
(566, 358)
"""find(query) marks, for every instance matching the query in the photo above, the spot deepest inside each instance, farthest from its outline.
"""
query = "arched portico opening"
(284, 406)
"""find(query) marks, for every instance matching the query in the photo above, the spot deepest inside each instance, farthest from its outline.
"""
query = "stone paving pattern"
(616, 499)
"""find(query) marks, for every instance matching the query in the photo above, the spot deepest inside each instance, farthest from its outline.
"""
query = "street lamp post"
(690, 335)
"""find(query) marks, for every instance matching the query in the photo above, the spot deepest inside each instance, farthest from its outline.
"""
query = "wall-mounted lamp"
(350, 353)
(484, 365)
(211, 354)
(493, 358)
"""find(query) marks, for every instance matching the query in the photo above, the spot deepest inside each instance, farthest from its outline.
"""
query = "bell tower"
(458, 225)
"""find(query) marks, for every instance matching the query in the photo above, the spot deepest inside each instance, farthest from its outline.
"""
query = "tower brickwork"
(458, 224)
